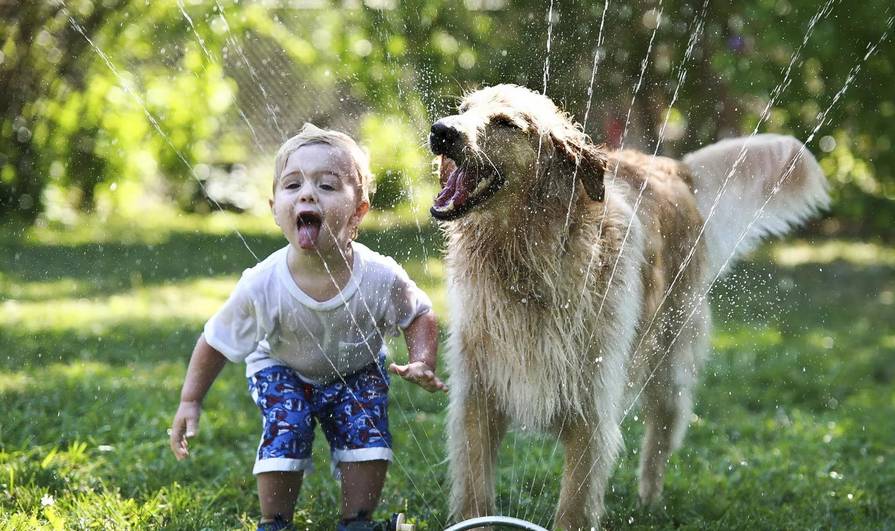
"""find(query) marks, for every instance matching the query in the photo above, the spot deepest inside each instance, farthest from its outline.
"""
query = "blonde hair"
(311, 134)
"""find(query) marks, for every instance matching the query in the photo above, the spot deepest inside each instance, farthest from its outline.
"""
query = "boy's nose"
(306, 194)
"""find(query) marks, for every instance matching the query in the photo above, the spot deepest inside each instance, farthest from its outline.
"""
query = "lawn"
(794, 426)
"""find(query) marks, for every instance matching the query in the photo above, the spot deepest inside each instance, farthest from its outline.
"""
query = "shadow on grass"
(110, 268)
(124, 344)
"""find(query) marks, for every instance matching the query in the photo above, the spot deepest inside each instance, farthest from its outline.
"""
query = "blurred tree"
(94, 92)
(38, 51)
(87, 97)
(666, 76)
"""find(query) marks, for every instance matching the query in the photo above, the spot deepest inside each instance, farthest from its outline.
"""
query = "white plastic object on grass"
(505, 521)
(399, 524)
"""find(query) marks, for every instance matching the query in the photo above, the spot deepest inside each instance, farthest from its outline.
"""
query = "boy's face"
(316, 201)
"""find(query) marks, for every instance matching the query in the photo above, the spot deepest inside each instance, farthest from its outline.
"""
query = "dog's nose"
(444, 140)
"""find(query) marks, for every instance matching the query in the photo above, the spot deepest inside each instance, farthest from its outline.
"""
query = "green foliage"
(792, 427)
(88, 99)
(126, 91)
(395, 163)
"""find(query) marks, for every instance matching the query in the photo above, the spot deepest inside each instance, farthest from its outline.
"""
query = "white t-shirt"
(268, 320)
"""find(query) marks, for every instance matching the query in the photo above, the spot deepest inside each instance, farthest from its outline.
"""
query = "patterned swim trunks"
(353, 413)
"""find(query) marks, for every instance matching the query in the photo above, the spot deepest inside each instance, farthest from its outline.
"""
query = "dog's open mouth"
(463, 187)
(308, 225)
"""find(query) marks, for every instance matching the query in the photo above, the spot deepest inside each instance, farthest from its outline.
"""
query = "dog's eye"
(504, 121)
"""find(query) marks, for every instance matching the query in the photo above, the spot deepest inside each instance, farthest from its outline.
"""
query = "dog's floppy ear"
(591, 168)
(588, 161)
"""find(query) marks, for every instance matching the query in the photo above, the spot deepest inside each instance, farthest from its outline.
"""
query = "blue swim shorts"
(353, 413)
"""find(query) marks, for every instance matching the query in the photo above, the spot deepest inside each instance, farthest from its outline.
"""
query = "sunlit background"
(136, 147)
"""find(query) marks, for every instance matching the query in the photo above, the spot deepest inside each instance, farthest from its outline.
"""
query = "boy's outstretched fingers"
(420, 374)
(186, 421)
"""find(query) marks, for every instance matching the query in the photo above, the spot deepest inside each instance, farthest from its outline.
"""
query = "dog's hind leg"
(592, 447)
(668, 399)
(476, 427)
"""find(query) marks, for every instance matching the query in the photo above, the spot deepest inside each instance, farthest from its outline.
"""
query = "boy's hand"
(419, 373)
(185, 423)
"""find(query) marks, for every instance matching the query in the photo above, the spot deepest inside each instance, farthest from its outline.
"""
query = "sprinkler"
(397, 523)
(504, 521)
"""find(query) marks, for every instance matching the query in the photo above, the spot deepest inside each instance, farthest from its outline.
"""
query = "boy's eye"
(292, 185)
(327, 187)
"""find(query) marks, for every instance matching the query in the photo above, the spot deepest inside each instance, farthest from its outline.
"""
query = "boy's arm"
(422, 345)
(206, 364)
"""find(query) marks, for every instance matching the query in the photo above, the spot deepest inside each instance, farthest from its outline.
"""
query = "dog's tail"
(752, 187)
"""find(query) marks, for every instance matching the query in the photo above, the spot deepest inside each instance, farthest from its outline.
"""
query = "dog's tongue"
(307, 234)
(456, 190)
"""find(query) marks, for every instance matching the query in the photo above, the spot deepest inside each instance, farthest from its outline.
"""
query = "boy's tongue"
(308, 230)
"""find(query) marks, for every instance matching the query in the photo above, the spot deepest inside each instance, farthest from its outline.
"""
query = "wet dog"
(578, 283)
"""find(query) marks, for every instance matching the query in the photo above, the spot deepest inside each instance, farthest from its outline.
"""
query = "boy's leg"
(354, 416)
(277, 494)
(362, 484)
(284, 454)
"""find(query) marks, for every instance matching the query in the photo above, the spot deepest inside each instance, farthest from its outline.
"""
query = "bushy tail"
(752, 187)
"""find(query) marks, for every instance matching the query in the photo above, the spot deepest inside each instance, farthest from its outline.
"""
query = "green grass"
(794, 426)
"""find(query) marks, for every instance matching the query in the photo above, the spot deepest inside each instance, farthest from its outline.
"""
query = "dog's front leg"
(591, 449)
(475, 428)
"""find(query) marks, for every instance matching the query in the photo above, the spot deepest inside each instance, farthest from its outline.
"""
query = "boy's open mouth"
(308, 229)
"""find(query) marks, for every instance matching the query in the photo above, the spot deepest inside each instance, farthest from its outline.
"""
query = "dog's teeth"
(447, 208)
(482, 185)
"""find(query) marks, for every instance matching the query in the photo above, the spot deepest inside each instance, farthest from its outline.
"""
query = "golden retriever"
(578, 282)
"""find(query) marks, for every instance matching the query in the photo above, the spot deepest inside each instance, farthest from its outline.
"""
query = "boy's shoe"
(279, 524)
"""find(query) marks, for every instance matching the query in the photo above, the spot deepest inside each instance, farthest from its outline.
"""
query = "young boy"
(309, 323)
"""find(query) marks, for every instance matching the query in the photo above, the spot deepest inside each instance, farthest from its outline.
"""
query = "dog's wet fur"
(578, 282)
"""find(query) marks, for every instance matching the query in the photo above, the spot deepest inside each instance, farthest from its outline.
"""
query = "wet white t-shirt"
(268, 320)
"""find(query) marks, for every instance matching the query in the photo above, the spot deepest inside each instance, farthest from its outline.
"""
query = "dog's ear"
(588, 161)
(591, 168)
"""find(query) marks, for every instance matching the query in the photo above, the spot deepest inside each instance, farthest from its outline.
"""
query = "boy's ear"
(273, 210)
(362, 210)
(359, 214)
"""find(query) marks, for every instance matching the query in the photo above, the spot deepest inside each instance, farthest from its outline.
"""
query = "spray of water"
(731, 176)
(778, 91)
(599, 54)
(374, 355)
(139, 100)
(239, 50)
(549, 44)
(821, 119)
(199, 38)
(546, 79)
